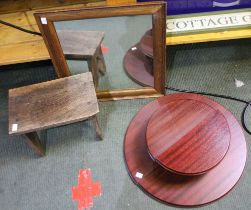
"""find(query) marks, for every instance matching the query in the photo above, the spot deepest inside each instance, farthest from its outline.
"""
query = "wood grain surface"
(8, 6)
(139, 67)
(53, 103)
(188, 137)
(120, 2)
(20, 47)
(146, 44)
(80, 44)
(176, 189)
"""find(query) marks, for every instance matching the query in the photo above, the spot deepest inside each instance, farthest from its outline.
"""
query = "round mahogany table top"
(138, 66)
(146, 44)
(188, 137)
(176, 189)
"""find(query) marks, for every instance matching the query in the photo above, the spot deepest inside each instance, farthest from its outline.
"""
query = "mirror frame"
(158, 12)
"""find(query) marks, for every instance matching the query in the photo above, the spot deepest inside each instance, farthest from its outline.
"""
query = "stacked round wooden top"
(187, 137)
(187, 149)
(138, 61)
(146, 44)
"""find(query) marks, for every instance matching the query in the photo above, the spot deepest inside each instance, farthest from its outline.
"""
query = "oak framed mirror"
(120, 45)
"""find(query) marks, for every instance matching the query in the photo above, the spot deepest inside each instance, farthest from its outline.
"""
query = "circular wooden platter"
(188, 137)
(146, 44)
(177, 189)
(139, 67)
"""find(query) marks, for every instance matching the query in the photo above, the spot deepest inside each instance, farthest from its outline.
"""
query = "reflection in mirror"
(124, 46)
(117, 50)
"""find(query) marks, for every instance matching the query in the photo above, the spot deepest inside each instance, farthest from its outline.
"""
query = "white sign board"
(186, 24)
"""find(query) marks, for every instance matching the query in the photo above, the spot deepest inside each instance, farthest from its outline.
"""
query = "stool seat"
(84, 45)
(50, 104)
(80, 43)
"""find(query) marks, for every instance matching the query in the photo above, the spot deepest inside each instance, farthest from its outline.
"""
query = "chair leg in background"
(97, 127)
(34, 142)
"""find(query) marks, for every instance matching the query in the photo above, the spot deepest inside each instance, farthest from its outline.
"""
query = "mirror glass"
(118, 50)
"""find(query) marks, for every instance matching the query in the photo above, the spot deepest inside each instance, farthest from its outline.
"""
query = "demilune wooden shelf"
(19, 47)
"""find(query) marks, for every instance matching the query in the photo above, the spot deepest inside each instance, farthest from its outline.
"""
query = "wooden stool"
(50, 104)
(84, 45)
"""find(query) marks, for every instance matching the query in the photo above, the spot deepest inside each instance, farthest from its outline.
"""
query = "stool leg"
(34, 142)
(101, 61)
(97, 127)
(93, 68)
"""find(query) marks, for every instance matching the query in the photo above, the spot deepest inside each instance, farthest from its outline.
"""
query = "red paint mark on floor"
(104, 49)
(84, 192)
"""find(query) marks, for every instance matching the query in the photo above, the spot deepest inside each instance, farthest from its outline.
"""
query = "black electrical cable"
(243, 114)
(19, 28)
(243, 118)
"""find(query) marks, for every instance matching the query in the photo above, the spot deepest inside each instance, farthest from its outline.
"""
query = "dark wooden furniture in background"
(146, 44)
(138, 67)
(173, 188)
(138, 61)
(84, 45)
(155, 9)
(50, 104)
